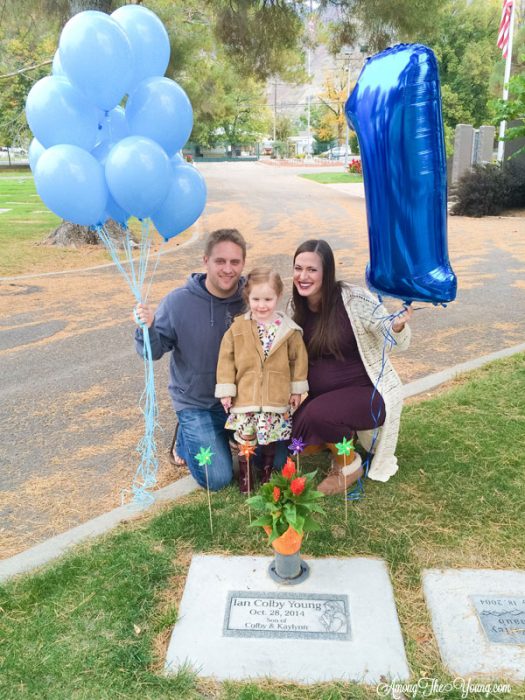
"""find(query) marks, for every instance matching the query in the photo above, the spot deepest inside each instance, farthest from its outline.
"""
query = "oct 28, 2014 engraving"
(291, 615)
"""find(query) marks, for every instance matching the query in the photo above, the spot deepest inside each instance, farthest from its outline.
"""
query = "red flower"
(297, 485)
(288, 469)
(276, 493)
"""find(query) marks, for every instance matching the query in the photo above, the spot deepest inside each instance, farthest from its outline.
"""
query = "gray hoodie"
(190, 323)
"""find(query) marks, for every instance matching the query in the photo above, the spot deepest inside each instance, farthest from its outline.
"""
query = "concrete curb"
(431, 381)
(195, 235)
(56, 546)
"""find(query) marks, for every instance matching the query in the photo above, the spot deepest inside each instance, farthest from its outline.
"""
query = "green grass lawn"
(96, 624)
(331, 178)
(26, 223)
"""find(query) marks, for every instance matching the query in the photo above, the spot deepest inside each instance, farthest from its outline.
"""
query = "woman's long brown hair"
(325, 339)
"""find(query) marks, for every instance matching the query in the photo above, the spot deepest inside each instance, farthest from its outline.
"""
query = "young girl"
(261, 372)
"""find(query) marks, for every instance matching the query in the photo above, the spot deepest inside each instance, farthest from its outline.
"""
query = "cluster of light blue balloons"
(92, 158)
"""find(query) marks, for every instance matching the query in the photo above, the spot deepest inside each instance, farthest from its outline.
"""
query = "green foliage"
(289, 499)
(464, 40)
(18, 50)
(380, 23)
(514, 108)
(490, 189)
(284, 127)
(263, 38)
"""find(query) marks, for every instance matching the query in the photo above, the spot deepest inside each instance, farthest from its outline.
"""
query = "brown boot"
(340, 478)
(313, 449)
(246, 480)
(267, 456)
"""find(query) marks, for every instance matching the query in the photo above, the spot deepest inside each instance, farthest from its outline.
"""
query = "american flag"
(504, 27)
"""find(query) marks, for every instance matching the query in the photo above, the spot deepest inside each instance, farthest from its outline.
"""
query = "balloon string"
(146, 475)
(386, 323)
(152, 275)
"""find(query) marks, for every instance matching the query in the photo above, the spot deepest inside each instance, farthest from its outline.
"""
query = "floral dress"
(264, 426)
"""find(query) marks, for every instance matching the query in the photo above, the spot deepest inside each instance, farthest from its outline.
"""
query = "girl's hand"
(295, 400)
(403, 318)
(226, 403)
(145, 314)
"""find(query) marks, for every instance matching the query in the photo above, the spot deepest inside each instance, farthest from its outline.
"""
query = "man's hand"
(226, 403)
(145, 314)
(294, 401)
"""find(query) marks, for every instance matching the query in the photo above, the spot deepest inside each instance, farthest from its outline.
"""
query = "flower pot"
(288, 543)
(288, 567)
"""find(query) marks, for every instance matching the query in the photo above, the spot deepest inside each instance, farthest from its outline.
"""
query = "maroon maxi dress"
(341, 397)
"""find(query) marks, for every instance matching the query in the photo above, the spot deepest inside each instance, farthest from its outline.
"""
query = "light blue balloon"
(149, 40)
(113, 211)
(71, 183)
(56, 68)
(58, 113)
(35, 151)
(184, 204)
(138, 175)
(101, 151)
(177, 159)
(97, 57)
(114, 126)
(160, 109)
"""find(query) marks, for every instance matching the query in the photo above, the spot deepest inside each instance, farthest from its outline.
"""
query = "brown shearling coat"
(258, 383)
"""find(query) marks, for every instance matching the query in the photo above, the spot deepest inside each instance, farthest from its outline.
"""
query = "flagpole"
(508, 62)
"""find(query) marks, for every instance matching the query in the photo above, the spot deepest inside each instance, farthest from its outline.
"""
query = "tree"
(330, 122)
(380, 23)
(464, 40)
(263, 38)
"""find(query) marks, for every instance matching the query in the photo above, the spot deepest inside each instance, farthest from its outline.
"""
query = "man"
(190, 322)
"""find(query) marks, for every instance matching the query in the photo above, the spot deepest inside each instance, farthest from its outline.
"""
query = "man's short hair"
(225, 234)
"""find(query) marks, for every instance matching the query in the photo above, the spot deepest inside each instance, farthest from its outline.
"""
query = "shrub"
(354, 143)
(355, 167)
(490, 189)
(514, 171)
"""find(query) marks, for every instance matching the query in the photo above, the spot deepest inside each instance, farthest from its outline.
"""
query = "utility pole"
(347, 132)
(310, 35)
(274, 110)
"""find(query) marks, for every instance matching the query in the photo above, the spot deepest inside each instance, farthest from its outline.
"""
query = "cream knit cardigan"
(365, 312)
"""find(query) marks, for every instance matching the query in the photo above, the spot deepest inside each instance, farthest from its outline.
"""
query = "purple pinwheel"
(297, 446)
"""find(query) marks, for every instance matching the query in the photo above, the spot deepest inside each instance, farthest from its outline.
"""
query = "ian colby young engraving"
(300, 615)
(502, 618)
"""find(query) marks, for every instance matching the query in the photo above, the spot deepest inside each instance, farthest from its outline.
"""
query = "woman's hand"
(144, 314)
(402, 319)
(294, 401)
(226, 403)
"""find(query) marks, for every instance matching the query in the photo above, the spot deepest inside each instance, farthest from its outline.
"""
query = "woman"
(345, 337)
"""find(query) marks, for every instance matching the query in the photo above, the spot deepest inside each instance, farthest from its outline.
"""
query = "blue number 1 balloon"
(395, 109)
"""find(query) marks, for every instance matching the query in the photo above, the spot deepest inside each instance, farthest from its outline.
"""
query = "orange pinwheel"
(247, 450)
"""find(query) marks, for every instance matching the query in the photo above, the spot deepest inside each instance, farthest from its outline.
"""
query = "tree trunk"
(68, 234)
(76, 6)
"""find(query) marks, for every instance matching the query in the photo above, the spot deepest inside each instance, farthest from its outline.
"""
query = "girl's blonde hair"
(262, 275)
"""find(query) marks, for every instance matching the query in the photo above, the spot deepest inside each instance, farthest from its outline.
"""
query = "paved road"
(70, 380)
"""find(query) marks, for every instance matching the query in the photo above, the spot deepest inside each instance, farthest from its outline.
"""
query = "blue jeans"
(199, 427)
